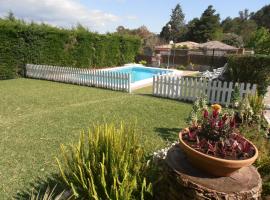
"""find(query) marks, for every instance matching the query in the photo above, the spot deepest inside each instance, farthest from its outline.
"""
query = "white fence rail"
(87, 77)
(189, 89)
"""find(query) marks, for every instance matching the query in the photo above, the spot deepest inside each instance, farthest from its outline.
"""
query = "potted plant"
(215, 146)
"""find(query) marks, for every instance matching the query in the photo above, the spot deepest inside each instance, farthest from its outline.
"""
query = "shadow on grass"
(169, 134)
(53, 181)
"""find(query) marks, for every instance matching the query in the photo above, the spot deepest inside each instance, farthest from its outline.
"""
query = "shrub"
(250, 109)
(260, 41)
(7, 72)
(233, 40)
(198, 107)
(23, 43)
(143, 62)
(256, 135)
(108, 163)
(49, 194)
(250, 69)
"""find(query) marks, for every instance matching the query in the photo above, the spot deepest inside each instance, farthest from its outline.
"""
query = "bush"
(108, 163)
(7, 72)
(260, 41)
(49, 194)
(143, 62)
(250, 109)
(23, 43)
(250, 69)
(233, 40)
(256, 134)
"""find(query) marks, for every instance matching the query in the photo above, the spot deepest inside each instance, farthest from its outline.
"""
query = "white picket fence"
(87, 77)
(188, 89)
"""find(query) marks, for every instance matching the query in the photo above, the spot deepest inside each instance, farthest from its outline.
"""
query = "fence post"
(129, 83)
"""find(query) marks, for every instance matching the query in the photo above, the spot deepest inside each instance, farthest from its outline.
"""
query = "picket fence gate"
(86, 77)
(189, 89)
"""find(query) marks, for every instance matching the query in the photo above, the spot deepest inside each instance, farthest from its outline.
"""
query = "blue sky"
(106, 15)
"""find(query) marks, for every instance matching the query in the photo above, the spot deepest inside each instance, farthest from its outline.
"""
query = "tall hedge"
(251, 69)
(22, 43)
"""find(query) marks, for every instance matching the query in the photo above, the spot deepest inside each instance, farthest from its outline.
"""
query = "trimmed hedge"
(23, 43)
(251, 69)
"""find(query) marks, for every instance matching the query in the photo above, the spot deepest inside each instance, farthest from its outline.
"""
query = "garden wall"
(23, 43)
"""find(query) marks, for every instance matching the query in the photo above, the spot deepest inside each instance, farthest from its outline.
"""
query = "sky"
(106, 15)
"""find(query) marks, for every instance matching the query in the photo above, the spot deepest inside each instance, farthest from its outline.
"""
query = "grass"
(37, 116)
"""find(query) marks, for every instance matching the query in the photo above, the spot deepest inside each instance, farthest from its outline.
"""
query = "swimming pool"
(139, 72)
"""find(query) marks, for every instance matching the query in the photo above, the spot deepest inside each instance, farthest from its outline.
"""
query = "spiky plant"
(257, 104)
(49, 194)
(198, 107)
(107, 163)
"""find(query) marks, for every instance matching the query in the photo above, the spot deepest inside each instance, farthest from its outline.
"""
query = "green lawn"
(37, 116)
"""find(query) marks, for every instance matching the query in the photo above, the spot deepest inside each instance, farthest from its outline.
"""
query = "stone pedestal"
(179, 180)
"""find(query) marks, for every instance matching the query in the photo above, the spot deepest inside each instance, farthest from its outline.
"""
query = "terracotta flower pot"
(212, 165)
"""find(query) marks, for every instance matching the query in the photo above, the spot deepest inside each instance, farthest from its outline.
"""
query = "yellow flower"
(186, 130)
(216, 107)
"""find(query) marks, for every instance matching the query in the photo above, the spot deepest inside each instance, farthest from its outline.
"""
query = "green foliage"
(260, 41)
(264, 170)
(206, 28)
(143, 62)
(245, 112)
(181, 67)
(181, 47)
(23, 43)
(250, 69)
(262, 17)
(257, 104)
(199, 106)
(255, 134)
(49, 194)
(236, 98)
(250, 109)
(233, 40)
(109, 163)
(7, 72)
(175, 28)
(242, 25)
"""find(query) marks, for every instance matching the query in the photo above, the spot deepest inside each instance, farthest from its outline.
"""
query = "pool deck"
(148, 82)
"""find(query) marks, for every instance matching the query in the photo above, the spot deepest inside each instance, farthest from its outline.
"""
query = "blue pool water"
(141, 73)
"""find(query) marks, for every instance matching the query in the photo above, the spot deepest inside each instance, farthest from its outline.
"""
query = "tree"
(262, 17)
(175, 28)
(233, 40)
(206, 28)
(148, 39)
(260, 41)
(10, 16)
(242, 25)
(120, 29)
(142, 32)
(244, 15)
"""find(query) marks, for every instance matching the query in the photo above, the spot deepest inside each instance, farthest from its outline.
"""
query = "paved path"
(267, 103)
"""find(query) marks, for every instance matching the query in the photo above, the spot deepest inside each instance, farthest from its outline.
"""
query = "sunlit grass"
(37, 116)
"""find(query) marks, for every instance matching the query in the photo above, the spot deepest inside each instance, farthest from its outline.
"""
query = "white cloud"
(65, 13)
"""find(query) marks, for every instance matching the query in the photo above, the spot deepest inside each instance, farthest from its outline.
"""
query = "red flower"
(205, 114)
(232, 123)
(220, 123)
(215, 113)
(224, 118)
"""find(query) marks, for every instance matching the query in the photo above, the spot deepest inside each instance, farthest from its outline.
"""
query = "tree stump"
(179, 180)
